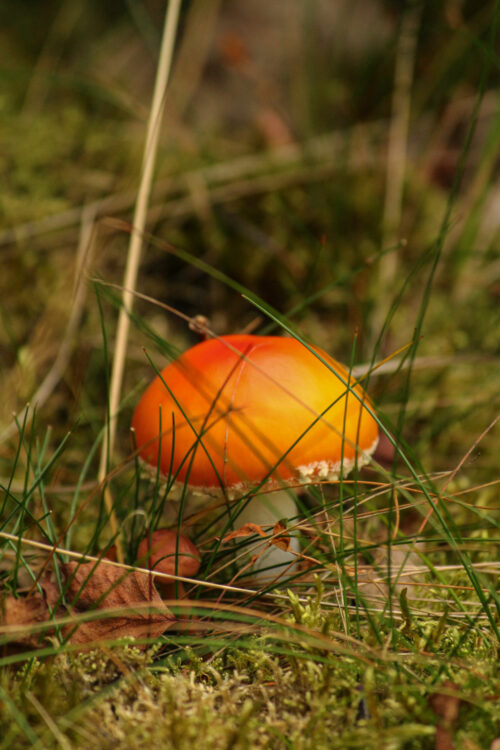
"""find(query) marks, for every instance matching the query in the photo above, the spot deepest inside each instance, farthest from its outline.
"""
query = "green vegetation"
(301, 187)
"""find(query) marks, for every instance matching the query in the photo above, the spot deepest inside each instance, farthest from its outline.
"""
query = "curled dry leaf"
(246, 530)
(90, 588)
(281, 537)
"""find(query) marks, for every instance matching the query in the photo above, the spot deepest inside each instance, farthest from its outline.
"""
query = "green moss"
(248, 699)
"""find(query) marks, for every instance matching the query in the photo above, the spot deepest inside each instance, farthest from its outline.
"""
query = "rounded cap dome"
(166, 552)
(238, 410)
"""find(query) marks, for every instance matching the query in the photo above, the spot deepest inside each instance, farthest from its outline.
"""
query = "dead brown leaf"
(103, 587)
(98, 589)
(281, 537)
(23, 614)
(246, 530)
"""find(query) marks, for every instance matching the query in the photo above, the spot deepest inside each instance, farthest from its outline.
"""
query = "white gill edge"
(317, 471)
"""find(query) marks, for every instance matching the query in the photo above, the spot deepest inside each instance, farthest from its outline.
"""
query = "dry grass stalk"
(135, 247)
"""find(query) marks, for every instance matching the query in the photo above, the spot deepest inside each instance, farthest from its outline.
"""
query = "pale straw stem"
(135, 246)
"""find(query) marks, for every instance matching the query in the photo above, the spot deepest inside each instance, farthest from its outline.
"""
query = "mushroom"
(165, 551)
(241, 413)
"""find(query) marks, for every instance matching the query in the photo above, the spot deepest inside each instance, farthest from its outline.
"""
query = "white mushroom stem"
(265, 510)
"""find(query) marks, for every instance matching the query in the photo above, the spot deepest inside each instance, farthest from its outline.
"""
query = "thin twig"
(122, 566)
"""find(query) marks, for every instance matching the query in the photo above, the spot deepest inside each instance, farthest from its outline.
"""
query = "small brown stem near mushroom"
(200, 325)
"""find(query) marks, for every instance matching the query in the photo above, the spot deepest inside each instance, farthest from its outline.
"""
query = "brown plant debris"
(281, 537)
(246, 530)
(94, 590)
(447, 707)
(24, 614)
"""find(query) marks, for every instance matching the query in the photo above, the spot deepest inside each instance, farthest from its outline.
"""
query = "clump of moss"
(297, 686)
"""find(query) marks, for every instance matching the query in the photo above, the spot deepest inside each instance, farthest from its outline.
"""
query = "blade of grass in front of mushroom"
(355, 493)
(230, 511)
(208, 269)
(340, 559)
(156, 511)
(445, 520)
(283, 457)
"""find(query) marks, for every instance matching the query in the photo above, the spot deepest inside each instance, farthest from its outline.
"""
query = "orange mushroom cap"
(166, 552)
(239, 410)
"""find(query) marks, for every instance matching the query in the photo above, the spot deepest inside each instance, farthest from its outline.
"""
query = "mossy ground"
(268, 693)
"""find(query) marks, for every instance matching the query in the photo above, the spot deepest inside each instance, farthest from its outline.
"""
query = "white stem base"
(264, 510)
